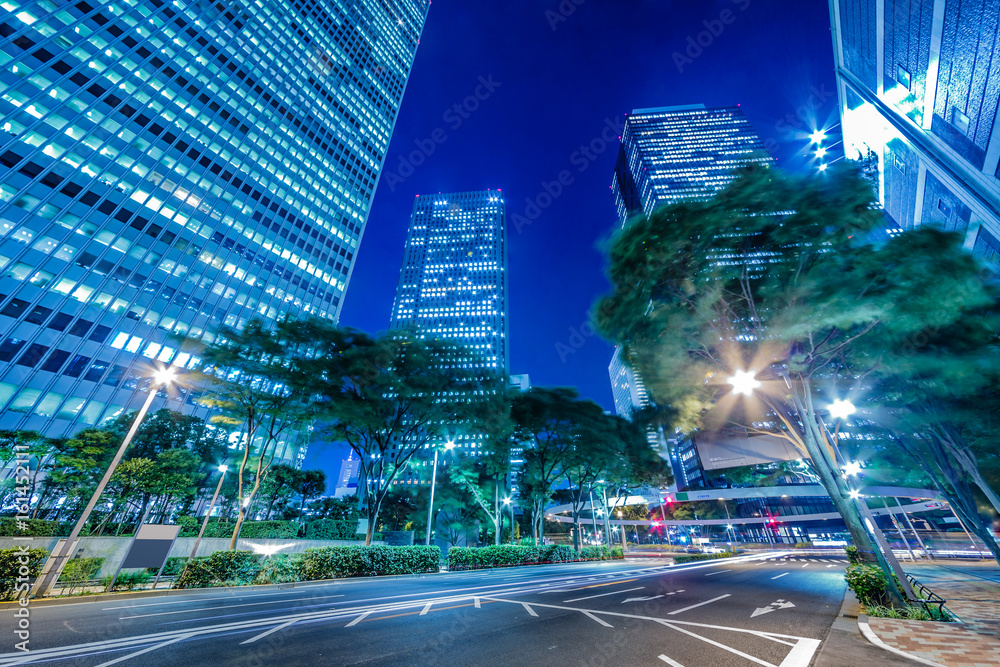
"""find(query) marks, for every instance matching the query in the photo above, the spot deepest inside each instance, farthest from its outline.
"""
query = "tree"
(257, 375)
(775, 280)
(388, 398)
(281, 484)
(311, 483)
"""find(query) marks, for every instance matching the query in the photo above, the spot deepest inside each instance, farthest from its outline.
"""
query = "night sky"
(554, 75)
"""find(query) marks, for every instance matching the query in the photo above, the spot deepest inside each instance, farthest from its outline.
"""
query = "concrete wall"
(113, 549)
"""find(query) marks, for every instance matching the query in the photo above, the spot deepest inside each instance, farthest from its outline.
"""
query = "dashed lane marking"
(780, 575)
(601, 595)
(712, 574)
(700, 604)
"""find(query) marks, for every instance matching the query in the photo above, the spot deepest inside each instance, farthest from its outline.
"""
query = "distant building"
(453, 286)
(667, 155)
(170, 167)
(347, 479)
(521, 382)
(919, 100)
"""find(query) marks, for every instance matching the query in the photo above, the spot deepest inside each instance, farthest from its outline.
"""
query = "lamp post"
(58, 560)
(624, 547)
(509, 503)
(204, 524)
(430, 508)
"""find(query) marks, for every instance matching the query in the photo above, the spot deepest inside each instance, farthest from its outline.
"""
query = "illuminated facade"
(170, 167)
(667, 155)
(919, 99)
(453, 281)
(670, 154)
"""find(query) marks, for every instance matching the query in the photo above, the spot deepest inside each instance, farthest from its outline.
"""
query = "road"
(746, 611)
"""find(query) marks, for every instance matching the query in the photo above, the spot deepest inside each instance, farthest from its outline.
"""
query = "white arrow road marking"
(672, 663)
(717, 644)
(359, 619)
(145, 650)
(267, 632)
(780, 575)
(700, 604)
(651, 597)
(589, 597)
(774, 606)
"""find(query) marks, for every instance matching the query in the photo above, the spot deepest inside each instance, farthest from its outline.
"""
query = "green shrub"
(693, 558)
(250, 530)
(223, 568)
(869, 584)
(173, 567)
(78, 571)
(617, 553)
(506, 555)
(853, 557)
(595, 553)
(128, 581)
(280, 569)
(11, 569)
(332, 529)
(362, 561)
(28, 527)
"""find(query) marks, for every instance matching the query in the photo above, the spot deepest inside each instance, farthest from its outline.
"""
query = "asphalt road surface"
(745, 611)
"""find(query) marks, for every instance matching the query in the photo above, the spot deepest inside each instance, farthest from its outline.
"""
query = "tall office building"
(170, 167)
(667, 155)
(453, 281)
(918, 97)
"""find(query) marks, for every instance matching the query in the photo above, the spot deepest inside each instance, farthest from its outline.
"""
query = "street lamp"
(817, 137)
(58, 559)
(842, 409)
(204, 524)
(430, 508)
(510, 503)
(744, 382)
(852, 468)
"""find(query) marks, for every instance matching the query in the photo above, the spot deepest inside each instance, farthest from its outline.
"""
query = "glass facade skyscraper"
(453, 281)
(667, 155)
(170, 167)
(670, 154)
(920, 99)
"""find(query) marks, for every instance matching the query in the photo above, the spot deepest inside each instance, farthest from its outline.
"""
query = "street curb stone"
(872, 638)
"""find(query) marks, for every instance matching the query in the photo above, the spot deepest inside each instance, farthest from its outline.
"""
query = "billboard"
(733, 449)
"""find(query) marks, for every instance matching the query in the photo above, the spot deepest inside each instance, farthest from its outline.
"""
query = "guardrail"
(930, 597)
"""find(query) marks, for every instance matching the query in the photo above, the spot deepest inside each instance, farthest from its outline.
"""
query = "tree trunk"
(236, 531)
(372, 517)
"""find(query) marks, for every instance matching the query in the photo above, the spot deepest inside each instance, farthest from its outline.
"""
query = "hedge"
(362, 561)
(506, 555)
(223, 568)
(332, 529)
(250, 529)
(10, 569)
(697, 557)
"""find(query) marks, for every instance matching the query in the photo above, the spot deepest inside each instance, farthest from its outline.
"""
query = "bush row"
(505, 555)
(697, 557)
(240, 568)
(250, 529)
(320, 529)
(12, 568)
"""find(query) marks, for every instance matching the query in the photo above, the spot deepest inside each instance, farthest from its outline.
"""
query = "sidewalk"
(972, 591)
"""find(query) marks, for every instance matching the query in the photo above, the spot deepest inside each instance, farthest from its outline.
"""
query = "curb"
(872, 638)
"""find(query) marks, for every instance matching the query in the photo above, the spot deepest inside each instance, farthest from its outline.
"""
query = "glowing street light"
(852, 468)
(822, 167)
(820, 152)
(450, 445)
(744, 382)
(842, 409)
(817, 137)
(854, 494)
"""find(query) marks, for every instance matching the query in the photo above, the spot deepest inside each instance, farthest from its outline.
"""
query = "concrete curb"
(872, 638)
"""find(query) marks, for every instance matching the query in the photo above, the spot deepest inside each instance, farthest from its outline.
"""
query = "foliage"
(79, 571)
(31, 527)
(852, 555)
(280, 569)
(368, 561)
(250, 530)
(344, 509)
(507, 555)
(223, 568)
(128, 580)
(173, 567)
(12, 568)
(910, 612)
(692, 558)
(331, 529)
(868, 583)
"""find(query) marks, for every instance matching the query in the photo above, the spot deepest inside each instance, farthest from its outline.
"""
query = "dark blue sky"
(559, 79)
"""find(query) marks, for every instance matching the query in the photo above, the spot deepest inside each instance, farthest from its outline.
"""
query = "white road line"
(228, 606)
(201, 598)
(712, 574)
(529, 609)
(806, 565)
(476, 602)
(700, 604)
(830, 566)
(145, 650)
(599, 620)
(672, 663)
(780, 575)
(267, 632)
(358, 619)
(717, 644)
(627, 590)
(801, 654)
(427, 608)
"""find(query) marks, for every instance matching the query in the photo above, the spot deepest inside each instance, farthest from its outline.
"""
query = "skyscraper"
(670, 154)
(170, 167)
(667, 155)
(453, 281)
(918, 98)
